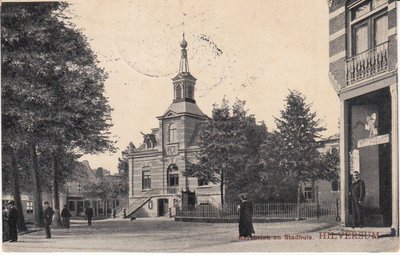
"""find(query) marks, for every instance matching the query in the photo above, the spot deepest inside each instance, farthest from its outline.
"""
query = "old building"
(156, 180)
(363, 72)
(323, 191)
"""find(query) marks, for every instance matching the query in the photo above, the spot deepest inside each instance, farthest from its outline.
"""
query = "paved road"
(152, 235)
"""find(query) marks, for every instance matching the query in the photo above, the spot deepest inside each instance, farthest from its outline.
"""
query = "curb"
(30, 231)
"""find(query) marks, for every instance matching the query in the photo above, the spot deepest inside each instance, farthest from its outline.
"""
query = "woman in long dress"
(65, 217)
(246, 228)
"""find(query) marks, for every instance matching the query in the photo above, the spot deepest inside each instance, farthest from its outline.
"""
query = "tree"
(229, 144)
(53, 86)
(298, 128)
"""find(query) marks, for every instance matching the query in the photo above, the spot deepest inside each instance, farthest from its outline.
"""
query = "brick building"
(156, 181)
(363, 72)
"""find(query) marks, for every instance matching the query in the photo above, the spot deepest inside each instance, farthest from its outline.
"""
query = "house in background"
(323, 191)
(363, 73)
(156, 168)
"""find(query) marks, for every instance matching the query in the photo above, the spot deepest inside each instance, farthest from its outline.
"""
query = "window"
(202, 182)
(71, 206)
(148, 142)
(371, 31)
(172, 133)
(308, 193)
(178, 92)
(29, 207)
(335, 186)
(146, 179)
(173, 175)
(190, 92)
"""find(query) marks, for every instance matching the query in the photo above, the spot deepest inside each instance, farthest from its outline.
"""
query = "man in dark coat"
(89, 214)
(48, 218)
(12, 222)
(6, 230)
(357, 197)
(246, 228)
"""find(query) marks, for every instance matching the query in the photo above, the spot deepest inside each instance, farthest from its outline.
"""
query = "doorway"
(370, 154)
(162, 207)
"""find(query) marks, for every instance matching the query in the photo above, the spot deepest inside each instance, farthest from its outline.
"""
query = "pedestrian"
(6, 229)
(65, 217)
(246, 228)
(12, 222)
(89, 214)
(357, 197)
(48, 218)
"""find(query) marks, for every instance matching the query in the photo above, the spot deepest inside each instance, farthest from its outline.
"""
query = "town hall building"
(157, 184)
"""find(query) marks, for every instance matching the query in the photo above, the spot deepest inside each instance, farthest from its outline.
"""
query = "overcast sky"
(255, 50)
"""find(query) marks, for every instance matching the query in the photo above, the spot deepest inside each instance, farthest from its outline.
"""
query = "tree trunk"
(298, 201)
(16, 191)
(56, 195)
(222, 189)
(37, 191)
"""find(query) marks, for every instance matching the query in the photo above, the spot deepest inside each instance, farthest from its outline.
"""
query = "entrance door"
(162, 207)
(370, 154)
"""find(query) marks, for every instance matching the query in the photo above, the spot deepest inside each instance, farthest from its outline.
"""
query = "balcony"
(367, 64)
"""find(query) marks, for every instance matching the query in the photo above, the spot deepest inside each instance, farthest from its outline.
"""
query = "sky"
(254, 50)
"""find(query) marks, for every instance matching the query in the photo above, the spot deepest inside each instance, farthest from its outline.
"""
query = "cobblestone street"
(166, 235)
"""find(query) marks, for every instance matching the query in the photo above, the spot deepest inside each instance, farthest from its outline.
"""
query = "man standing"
(48, 218)
(12, 222)
(89, 214)
(357, 197)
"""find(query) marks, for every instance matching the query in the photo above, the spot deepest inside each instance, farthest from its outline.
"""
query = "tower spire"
(184, 64)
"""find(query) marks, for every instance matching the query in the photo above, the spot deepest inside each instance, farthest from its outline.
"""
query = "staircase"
(132, 207)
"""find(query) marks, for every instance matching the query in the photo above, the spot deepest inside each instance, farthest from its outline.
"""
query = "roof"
(183, 75)
(184, 107)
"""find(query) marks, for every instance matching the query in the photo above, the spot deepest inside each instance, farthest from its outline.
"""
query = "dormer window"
(149, 143)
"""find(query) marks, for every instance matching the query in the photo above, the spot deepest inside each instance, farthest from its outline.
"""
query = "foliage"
(52, 90)
(298, 130)
(229, 144)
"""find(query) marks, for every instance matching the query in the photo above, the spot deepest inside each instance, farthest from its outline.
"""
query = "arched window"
(149, 143)
(172, 178)
(190, 92)
(178, 92)
(172, 133)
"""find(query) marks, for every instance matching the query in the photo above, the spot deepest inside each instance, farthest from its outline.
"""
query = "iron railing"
(367, 64)
(262, 211)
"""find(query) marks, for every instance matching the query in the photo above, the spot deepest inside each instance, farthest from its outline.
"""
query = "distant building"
(363, 73)
(323, 191)
(72, 194)
(156, 181)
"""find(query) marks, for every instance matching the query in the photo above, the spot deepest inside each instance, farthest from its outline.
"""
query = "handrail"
(367, 64)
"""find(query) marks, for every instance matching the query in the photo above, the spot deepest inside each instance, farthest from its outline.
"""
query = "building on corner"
(363, 72)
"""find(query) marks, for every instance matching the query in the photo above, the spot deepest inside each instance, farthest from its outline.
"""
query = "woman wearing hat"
(246, 228)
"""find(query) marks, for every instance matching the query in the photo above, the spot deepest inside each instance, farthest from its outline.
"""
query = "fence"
(262, 211)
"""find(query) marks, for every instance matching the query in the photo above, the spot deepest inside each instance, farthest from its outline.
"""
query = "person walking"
(65, 217)
(357, 197)
(89, 214)
(48, 218)
(6, 229)
(12, 222)
(246, 228)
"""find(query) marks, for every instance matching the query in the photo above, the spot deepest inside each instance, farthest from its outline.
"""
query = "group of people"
(11, 214)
